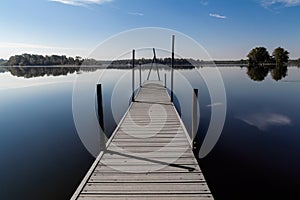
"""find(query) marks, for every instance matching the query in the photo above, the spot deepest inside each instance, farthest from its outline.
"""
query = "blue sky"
(226, 29)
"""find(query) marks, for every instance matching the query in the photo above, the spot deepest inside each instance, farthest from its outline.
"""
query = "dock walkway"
(149, 155)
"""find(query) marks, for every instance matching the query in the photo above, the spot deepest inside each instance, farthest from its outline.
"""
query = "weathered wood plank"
(149, 156)
(148, 197)
(146, 177)
(169, 155)
(149, 188)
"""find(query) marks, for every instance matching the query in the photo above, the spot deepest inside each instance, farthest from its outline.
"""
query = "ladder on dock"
(149, 156)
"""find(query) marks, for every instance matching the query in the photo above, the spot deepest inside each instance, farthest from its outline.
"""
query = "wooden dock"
(149, 155)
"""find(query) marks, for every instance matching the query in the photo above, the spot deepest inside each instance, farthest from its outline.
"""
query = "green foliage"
(281, 56)
(258, 56)
(39, 60)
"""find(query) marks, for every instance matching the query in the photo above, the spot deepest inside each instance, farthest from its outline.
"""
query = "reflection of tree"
(2, 69)
(279, 72)
(257, 73)
(29, 72)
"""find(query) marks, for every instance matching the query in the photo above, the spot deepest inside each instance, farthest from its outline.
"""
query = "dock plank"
(149, 156)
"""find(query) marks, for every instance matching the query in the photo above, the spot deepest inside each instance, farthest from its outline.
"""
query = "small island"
(261, 63)
(40, 60)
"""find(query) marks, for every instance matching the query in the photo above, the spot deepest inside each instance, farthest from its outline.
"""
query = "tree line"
(178, 62)
(39, 60)
(261, 63)
(260, 56)
(294, 62)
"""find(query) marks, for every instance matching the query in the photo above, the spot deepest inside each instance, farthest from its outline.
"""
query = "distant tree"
(71, 61)
(64, 60)
(281, 56)
(78, 60)
(258, 56)
(55, 60)
(143, 61)
(40, 60)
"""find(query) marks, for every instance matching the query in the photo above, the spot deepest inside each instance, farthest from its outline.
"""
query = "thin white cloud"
(135, 13)
(204, 2)
(285, 3)
(31, 46)
(217, 16)
(81, 2)
(263, 121)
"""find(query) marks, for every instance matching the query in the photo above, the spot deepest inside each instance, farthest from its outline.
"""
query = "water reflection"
(255, 73)
(279, 72)
(264, 121)
(2, 69)
(258, 151)
(30, 72)
(259, 73)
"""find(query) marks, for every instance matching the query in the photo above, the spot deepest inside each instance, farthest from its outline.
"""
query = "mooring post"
(195, 118)
(133, 58)
(140, 64)
(100, 118)
(165, 80)
(172, 68)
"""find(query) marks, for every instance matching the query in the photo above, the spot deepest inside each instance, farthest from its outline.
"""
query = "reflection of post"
(140, 73)
(165, 80)
(100, 118)
(194, 118)
(156, 64)
(133, 57)
(172, 68)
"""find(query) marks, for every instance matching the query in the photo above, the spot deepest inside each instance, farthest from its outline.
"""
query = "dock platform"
(149, 155)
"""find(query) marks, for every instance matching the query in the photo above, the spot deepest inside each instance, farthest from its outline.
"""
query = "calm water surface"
(42, 156)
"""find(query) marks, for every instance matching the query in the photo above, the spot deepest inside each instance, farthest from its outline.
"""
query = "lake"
(257, 155)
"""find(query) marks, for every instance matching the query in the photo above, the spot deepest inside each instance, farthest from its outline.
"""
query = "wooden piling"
(133, 58)
(172, 69)
(195, 118)
(100, 117)
(140, 64)
(165, 80)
